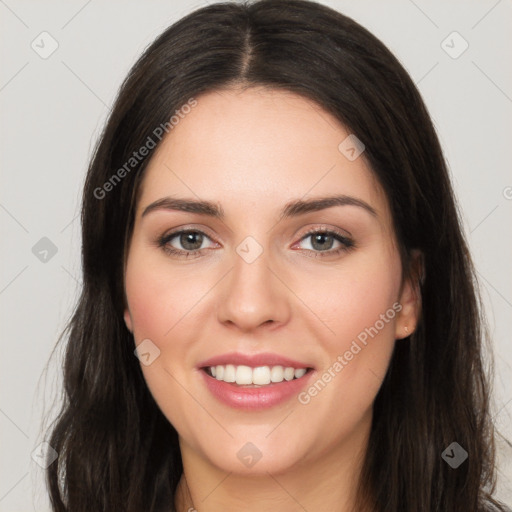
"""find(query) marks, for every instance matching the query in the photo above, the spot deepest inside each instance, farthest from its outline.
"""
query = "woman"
(269, 227)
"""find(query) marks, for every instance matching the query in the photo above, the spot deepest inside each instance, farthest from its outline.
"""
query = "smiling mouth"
(260, 376)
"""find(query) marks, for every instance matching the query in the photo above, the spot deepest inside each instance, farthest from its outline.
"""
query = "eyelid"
(188, 227)
(323, 228)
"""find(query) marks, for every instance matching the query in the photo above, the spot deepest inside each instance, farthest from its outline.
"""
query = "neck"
(327, 483)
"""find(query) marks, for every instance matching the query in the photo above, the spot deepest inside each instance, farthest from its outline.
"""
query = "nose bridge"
(251, 294)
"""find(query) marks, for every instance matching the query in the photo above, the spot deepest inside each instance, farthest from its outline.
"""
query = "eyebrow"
(291, 209)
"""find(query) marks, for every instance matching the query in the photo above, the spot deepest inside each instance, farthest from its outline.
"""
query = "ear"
(410, 297)
(128, 320)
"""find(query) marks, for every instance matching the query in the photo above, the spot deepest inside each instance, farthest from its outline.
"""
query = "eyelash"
(346, 243)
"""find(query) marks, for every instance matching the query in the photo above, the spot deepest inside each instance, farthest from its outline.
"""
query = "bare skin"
(251, 153)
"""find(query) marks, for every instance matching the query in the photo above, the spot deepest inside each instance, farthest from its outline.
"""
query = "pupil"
(191, 241)
(319, 242)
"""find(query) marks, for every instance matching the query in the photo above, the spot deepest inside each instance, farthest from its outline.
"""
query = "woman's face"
(251, 279)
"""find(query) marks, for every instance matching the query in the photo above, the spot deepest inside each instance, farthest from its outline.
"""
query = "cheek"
(147, 306)
(159, 299)
(353, 298)
(161, 304)
(359, 306)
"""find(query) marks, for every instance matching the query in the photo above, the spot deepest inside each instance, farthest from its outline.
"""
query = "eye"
(191, 242)
(326, 242)
(184, 243)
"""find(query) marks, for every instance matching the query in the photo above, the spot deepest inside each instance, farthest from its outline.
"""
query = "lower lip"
(259, 398)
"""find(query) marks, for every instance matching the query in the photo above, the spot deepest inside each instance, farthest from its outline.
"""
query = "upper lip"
(253, 360)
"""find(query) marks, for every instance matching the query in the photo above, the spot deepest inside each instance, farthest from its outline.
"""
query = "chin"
(257, 455)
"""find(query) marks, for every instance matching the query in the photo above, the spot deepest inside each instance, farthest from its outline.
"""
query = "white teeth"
(243, 375)
(299, 373)
(289, 373)
(229, 373)
(259, 376)
(276, 374)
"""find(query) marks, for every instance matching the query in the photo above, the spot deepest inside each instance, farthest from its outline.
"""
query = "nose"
(252, 295)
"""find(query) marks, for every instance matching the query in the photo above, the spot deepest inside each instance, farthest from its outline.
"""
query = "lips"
(255, 397)
(253, 360)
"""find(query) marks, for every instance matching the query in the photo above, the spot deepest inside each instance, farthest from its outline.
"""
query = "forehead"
(258, 146)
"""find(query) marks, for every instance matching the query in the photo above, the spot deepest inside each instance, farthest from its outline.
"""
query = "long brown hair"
(117, 451)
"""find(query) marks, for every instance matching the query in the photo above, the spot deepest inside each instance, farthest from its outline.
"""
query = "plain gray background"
(52, 111)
